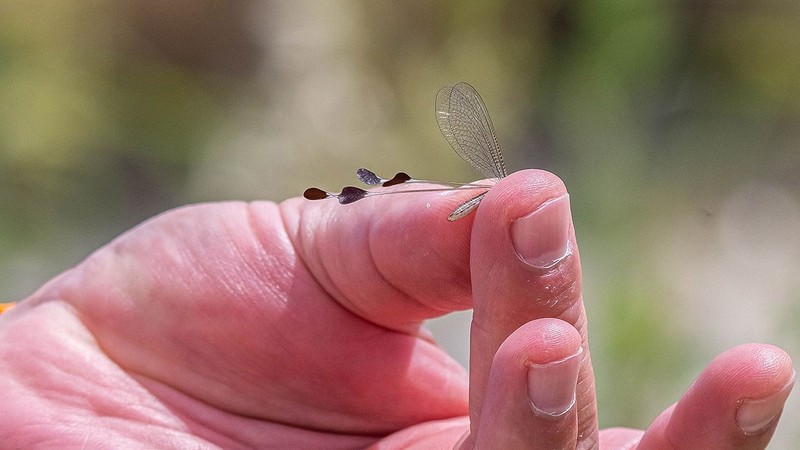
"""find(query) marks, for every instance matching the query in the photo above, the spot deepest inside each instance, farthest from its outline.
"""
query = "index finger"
(525, 266)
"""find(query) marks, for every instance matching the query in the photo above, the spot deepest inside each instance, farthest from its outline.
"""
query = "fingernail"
(756, 415)
(551, 386)
(542, 237)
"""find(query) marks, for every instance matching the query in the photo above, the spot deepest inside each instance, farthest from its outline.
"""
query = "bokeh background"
(675, 125)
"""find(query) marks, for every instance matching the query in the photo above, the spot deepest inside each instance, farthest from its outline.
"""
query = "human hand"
(299, 326)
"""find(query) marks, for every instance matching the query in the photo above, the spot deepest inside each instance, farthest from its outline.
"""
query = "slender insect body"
(466, 208)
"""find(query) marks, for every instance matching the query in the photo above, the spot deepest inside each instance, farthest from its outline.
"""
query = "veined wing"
(465, 123)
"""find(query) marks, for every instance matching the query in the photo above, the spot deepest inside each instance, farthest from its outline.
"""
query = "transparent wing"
(465, 123)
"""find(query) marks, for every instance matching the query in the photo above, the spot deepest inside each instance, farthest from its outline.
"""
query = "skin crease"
(298, 325)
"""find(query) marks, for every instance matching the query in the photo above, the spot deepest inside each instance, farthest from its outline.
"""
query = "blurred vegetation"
(676, 126)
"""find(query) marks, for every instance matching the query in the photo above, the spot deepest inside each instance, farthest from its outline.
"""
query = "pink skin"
(298, 325)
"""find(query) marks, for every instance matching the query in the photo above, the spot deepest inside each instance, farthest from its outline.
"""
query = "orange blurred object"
(5, 307)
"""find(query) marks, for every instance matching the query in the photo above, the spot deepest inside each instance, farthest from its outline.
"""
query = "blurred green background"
(675, 125)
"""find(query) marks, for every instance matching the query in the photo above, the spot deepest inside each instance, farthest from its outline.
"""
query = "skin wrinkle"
(567, 314)
(104, 407)
(583, 428)
(337, 294)
(559, 290)
(585, 388)
(587, 443)
(85, 441)
(217, 435)
(513, 317)
(398, 294)
(298, 242)
(633, 443)
(374, 264)
(272, 288)
(423, 305)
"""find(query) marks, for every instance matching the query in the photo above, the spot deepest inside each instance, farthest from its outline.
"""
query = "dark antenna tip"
(398, 178)
(313, 193)
(351, 194)
(368, 177)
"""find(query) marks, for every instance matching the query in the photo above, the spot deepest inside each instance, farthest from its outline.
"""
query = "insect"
(464, 121)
